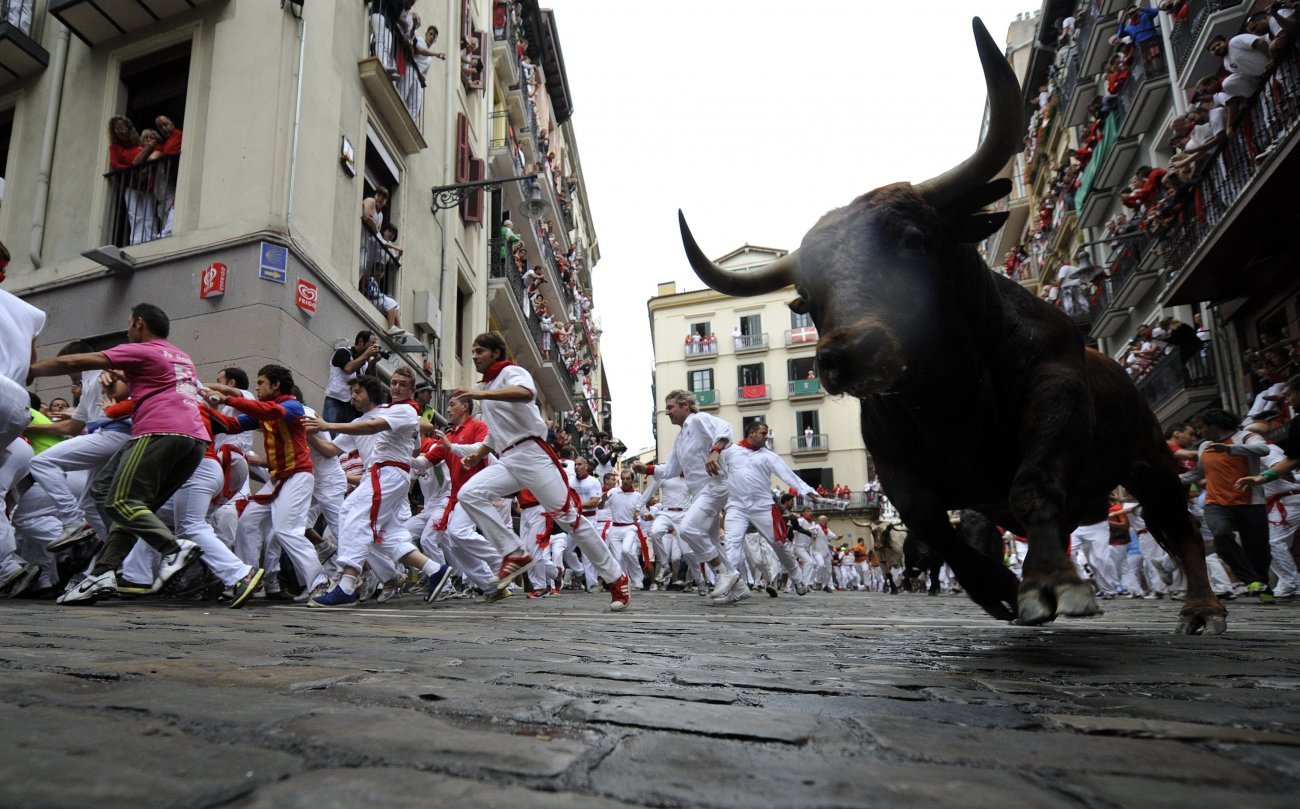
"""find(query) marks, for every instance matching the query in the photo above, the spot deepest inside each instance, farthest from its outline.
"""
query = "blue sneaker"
(334, 598)
(438, 585)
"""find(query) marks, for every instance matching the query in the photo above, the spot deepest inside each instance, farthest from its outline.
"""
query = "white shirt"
(587, 488)
(623, 506)
(509, 422)
(1243, 58)
(398, 442)
(20, 322)
(89, 408)
(699, 433)
(749, 476)
(244, 440)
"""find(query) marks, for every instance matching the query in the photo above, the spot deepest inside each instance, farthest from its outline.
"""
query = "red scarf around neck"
(494, 370)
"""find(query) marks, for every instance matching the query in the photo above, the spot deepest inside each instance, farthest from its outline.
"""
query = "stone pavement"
(845, 700)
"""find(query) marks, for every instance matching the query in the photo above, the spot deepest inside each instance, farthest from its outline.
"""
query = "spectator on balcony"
(1141, 30)
(471, 63)
(1072, 299)
(165, 178)
(1209, 130)
(424, 52)
(1144, 190)
(372, 210)
(126, 151)
(1178, 10)
(1246, 58)
(388, 238)
(382, 36)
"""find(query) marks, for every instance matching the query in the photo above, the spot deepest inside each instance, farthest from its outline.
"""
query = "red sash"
(780, 528)
(376, 496)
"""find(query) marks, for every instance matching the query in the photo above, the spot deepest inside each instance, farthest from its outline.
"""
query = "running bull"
(974, 393)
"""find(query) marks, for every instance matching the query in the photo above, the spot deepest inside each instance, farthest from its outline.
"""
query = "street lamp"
(449, 196)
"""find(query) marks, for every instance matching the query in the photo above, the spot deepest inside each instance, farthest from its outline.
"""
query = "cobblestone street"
(847, 700)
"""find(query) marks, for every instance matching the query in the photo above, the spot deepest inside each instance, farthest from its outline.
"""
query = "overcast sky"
(755, 119)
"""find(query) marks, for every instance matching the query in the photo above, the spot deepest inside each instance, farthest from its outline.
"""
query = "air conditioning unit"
(427, 314)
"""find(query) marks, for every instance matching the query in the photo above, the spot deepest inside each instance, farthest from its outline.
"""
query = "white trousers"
(88, 452)
(1159, 568)
(36, 523)
(699, 527)
(375, 515)
(15, 411)
(189, 509)
(1093, 541)
(287, 519)
(465, 548)
(624, 543)
(528, 466)
(1281, 532)
(533, 533)
(741, 521)
(14, 461)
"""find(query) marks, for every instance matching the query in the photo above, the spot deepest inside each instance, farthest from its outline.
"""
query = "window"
(751, 325)
(798, 321)
(824, 476)
(6, 134)
(701, 380)
(462, 310)
(380, 265)
(750, 374)
(748, 420)
(144, 196)
(704, 328)
(474, 47)
(801, 369)
(805, 420)
(468, 169)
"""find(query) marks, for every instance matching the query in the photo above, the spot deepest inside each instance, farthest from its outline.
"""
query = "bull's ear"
(977, 226)
(798, 305)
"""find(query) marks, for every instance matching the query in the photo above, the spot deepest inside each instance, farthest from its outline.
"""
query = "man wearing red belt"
(375, 511)
(517, 434)
(623, 534)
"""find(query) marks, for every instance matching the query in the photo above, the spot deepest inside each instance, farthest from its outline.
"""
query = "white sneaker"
(173, 562)
(738, 593)
(71, 535)
(1285, 592)
(702, 590)
(724, 583)
(90, 589)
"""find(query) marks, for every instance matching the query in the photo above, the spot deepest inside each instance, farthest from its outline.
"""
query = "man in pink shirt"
(166, 446)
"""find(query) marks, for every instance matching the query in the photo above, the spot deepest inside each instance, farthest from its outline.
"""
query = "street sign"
(212, 282)
(305, 294)
(274, 265)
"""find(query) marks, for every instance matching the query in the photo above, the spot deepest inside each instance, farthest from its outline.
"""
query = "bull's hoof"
(1035, 606)
(1075, 600)
(1196, 624)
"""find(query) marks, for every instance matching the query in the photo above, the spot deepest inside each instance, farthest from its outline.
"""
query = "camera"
(617, 447)
(386, 354)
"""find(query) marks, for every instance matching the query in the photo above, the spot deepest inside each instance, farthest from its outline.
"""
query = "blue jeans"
(337, 412)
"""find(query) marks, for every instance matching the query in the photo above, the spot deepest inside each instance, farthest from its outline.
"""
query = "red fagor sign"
(213, 281)
(305, 295)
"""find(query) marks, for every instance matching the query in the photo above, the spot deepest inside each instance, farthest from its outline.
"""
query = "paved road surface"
(845, 700)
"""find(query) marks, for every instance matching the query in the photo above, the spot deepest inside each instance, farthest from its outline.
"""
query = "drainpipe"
(447, 304)
(40, 208)
(297, 119)
(1175, 77)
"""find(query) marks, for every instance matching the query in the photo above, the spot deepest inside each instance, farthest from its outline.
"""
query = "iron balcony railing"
(814, 442)
(806, 387)
(750, 342)
(702, 348)
(143, 198)
(1174, 373)
(393, 49)
(1183, 35)
(1090, 15)
(1145, 66)
(18, 13)
(1126, 253)
(1266, 124)
(504, 31)
(379, 269)
(746, 394)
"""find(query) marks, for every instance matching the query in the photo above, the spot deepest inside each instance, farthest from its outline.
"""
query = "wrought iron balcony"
(392, 80)
(806, 388)
(142, 199)
(810, 444)
(753, 394)
(749, 342)
(1183, 35)
(695, 350)
(1177, 386)
(20, 55)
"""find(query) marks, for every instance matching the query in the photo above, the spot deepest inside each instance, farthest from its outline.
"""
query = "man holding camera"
(346, 365)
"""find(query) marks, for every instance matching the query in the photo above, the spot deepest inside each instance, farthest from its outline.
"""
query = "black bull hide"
(974, 393)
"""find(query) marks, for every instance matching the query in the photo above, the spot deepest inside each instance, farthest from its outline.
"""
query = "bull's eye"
(911, 239)
(799, 306)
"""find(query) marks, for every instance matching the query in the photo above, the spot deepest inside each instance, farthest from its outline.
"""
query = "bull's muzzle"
(861, 360)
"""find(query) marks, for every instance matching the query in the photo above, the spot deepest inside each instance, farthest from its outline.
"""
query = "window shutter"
(471, 206)
(462, 148)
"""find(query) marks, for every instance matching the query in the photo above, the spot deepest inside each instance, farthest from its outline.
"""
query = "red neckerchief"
(628, 490)
(410, 402)
(494, 370)
(746, 445)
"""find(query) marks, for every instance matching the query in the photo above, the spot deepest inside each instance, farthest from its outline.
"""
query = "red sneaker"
(618, 595)
(511, 568)
(555, 591)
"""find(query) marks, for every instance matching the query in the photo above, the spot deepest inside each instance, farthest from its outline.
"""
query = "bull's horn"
(1005, 134)
(778, 274)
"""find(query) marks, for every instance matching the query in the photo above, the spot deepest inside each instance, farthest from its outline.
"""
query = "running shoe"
(186, 551)
(436, 590)
(334, 598)
(72, 534)
(245, 587)
(618, 594)
(90, 589)
(513, 566)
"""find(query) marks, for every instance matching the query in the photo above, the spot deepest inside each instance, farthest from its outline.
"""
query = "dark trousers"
(1250, 559)
(339, 412)
(145, 473)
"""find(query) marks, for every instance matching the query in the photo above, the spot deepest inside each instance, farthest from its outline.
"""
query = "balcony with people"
(20, 55)
(142, 179)
(810, 443)
(400, 52)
